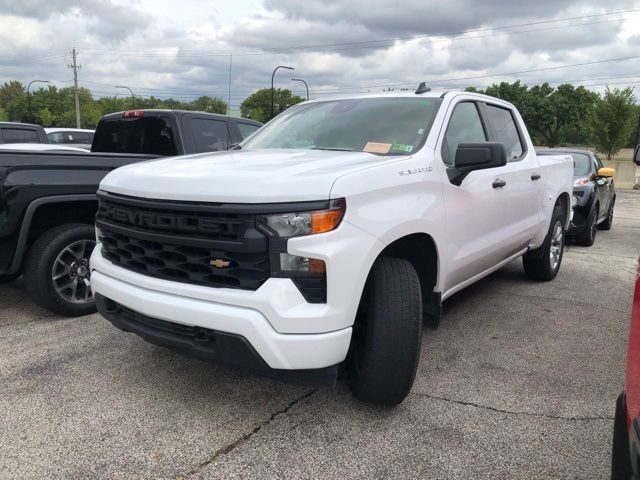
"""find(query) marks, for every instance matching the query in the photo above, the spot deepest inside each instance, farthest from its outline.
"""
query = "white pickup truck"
(327, 235)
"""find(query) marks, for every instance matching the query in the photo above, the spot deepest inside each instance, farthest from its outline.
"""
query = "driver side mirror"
(476, 156)
(636, 155)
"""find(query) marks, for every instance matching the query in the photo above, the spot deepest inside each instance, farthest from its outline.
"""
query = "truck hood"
(252, 176)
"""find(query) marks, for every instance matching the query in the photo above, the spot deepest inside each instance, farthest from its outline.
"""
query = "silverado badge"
(219, 263)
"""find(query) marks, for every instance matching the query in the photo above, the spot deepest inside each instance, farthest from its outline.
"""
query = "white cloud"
(166, 48)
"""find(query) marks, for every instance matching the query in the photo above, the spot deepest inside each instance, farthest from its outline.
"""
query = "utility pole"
(75, 67)
(229, 97)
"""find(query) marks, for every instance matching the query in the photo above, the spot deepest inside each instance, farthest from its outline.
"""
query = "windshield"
(581, 164)
(384, 126)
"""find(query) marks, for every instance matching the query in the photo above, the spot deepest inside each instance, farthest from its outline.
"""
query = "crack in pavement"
(226, 449)
(509, 412)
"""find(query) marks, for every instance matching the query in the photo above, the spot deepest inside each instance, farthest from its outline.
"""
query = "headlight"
(580, 182)
(288, 225)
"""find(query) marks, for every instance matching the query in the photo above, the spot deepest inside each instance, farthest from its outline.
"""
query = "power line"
(475, 77)
(362, 44)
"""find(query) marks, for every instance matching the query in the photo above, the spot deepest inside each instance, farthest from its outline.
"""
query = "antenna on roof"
(423, 88)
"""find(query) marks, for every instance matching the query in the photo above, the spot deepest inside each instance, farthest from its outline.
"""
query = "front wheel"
(543, 263)
(608, 222)
(57, 275)
(587, 235)
(388, 334)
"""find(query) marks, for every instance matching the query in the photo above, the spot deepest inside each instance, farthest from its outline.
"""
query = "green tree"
(3, 115)
(258, 105)
(209, 105)
(45, 118)
(13, 99)
(549, 113)
(613, 120)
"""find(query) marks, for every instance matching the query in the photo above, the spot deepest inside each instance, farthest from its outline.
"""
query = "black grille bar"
(200, 246)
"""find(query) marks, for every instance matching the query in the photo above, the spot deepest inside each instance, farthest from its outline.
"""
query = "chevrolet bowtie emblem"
(219, 263)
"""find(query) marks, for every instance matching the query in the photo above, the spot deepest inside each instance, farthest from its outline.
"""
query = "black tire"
(9, 277)
(539, 264)
(587, 235)
(608, 222)
(388, 334)
(64, 243)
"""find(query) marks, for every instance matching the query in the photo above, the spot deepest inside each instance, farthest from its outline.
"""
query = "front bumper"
(277, 350)
(209, 345)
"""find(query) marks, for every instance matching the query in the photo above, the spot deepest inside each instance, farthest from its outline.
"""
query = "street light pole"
(29, 96)
(305, 84)
(272, 75)
(133, 98)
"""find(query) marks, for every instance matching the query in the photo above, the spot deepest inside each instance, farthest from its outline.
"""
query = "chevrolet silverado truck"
(48, 198)
(328, 235)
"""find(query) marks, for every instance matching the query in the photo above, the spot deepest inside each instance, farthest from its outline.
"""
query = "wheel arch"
(51, 211)
(564, 201)
(421, 250)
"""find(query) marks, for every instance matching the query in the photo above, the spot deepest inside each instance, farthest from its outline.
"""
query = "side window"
(598, 163)
(209, 135)
(506, 131)
(19, 135)
(246, 129)
(465, 126)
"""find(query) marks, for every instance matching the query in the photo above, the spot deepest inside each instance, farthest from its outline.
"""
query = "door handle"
(497, 183)
(535, 176)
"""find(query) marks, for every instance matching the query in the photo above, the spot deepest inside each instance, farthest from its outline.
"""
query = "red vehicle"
(625, 455)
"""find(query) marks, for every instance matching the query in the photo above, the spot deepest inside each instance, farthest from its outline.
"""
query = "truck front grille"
(211, 245)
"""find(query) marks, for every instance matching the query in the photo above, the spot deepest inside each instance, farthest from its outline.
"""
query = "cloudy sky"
(182, 48)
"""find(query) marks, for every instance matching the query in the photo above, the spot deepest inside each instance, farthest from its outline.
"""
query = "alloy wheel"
(71, 275)
(557, 243)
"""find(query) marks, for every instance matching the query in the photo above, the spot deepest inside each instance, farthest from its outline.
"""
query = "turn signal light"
(325, 221)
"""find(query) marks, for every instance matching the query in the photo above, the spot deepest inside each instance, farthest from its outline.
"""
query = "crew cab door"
(493, 213)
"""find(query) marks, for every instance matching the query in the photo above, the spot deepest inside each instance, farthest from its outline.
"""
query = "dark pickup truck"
(48, 199)
(11, 132)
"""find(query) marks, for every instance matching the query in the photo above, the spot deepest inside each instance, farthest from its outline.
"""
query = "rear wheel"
(57, 275)
(543, 263)
(587, 235)
(388, 334)
(606, 225)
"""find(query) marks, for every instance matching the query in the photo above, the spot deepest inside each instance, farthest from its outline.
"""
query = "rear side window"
(465, 126)
(151, 135)
(19, 135)
(246, 129)
(506, 131)
(209, 135)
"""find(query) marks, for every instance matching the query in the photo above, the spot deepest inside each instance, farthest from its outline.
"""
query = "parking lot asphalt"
(519, 381)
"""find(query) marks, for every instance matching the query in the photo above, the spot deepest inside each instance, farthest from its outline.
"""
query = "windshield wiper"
(333, 149)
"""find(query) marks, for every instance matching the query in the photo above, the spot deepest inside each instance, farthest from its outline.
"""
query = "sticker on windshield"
(400, 147)
(420, 131)
(373, 147)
